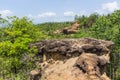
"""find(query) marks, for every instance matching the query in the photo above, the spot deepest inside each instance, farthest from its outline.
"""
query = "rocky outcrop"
(70, 29)
(74, 59)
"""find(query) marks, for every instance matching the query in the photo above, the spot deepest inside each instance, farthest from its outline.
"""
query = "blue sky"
(56, 10)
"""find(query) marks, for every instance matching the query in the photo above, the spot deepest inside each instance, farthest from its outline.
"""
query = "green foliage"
(101, 27)
(86, 21)
(3, 22)
(50, 28)
(82, 33)
(108, 28)
(14, 42)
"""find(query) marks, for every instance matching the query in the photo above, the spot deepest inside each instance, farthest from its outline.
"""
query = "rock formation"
(70, 29)
(74, 59)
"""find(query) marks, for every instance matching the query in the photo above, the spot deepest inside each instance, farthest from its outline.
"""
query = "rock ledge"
(74, 59)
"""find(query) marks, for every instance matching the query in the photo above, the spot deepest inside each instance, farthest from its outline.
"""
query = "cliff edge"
(74, 59)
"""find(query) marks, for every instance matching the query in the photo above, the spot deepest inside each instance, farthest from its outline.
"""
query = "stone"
(35, 75)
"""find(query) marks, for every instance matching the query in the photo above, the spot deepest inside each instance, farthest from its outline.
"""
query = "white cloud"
(69, 13)
(111, 6)
(5, 13)
(108, 8)
(52, 16)
(46, 14)
(72, 14)
(42, 15)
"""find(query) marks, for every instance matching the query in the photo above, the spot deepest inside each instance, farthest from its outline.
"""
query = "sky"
(56, 10)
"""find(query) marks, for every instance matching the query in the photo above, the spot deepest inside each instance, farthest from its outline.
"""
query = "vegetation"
(14, 41)
(16, 33)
